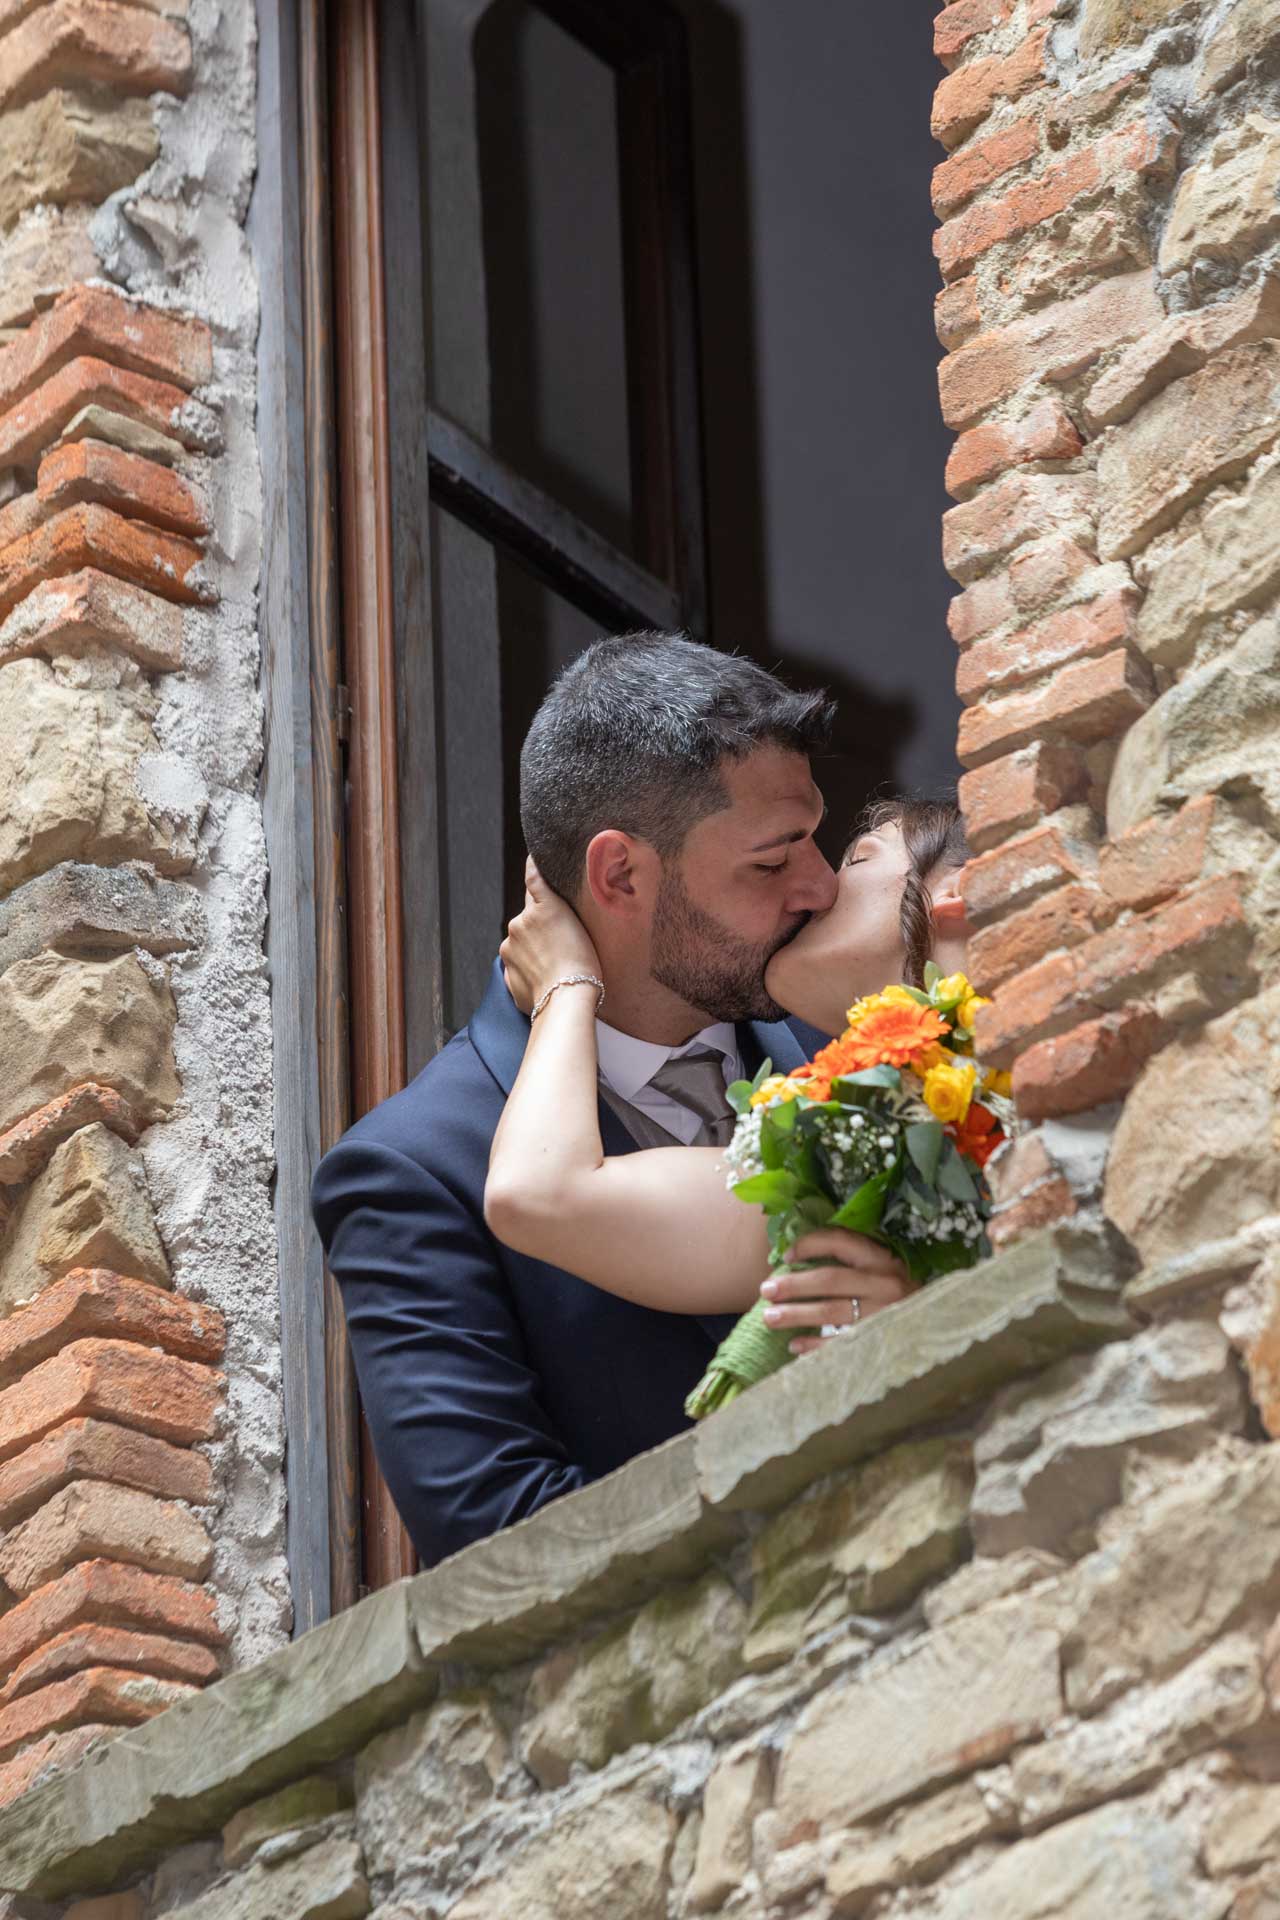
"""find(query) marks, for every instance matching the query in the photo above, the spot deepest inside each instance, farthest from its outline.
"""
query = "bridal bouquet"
(886, 1132)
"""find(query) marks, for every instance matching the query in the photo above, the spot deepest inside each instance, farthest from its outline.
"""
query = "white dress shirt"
(627, 1065)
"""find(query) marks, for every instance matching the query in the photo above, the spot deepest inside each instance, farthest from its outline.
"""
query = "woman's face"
(854, 948)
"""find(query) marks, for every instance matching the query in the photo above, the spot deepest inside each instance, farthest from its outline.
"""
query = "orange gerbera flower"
(889, 1035)
(980, 1135)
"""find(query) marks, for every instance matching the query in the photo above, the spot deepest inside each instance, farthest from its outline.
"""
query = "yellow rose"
(948, 1089)
(776, 1087)
(968, 1010)
(951, 991)
(997, 1082)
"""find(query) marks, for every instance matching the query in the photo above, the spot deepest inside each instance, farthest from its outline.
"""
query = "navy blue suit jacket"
(492, 1383)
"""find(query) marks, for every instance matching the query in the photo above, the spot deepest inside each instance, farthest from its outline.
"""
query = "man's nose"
(813, 888)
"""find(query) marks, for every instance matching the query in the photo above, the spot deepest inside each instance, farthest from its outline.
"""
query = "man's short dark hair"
(633, 735)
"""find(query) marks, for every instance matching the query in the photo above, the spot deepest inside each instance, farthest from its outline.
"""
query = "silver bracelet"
(570, 980)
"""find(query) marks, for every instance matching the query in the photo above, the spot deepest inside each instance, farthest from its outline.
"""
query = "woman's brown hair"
(933, 835)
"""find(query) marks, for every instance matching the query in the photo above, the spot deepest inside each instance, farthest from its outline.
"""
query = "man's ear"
(617, 876)
(948, 906)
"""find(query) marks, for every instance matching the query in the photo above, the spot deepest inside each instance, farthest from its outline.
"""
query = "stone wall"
(141, 1492)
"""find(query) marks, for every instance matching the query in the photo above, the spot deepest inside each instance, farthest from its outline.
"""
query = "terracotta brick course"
(94, 536)
(1047, 571)
(90, 1303)
(26, 1148)
(55, 1751)
(91, 320)
(1022, 1163)
(967, 96)
(97, 1450)
(982, 162)
(89, 470)
(36, 421)
(986, 603)
(1015, 873)
(19, 517)
(100, 1695)
(112, 1380)
(1093, 1063)
(1056, 920)
(1021, 507)
(1205, 927)
(93, 609)
(1057, 344)
(1087, 701)
(1159, 858)
(90, 1520)
(1007, 795)
(1075, 633)
(119, 1647)
(1047, 433)
(957, 315)
(962, 21)
(114, 1594)
(68, 42)
(1040, 1208)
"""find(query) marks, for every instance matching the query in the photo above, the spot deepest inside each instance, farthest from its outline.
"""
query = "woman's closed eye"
(778, 866)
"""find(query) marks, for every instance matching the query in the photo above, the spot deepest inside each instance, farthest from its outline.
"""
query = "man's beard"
(706, 963)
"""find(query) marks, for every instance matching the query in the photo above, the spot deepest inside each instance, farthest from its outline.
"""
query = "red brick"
(90, 1520)
(1087, 701)
(95, 609)
(1008, 795)
(1056, 920)
(1158, 858)
(88, 1302)
(1021, 507)
(1046, 433)
(1139, 150)
(52, 1754)
(987, 603)
(111, 1380)
(962, 21)
(19, 517)
(981, 162)
(128, 49)
(119, 1647)
(1076, 633)
(956, 313)
(96, 1450)
(115, 1594)
(1044, 1205)
(966, 97)
(92, 320)
(1055, 344)
(93, 536)
(35, 422)
(1024, 1162)
(27, 1148)
(90, 470)
(101, 1695)
(1205, 927)
(1096, 1062)
(1041, 574)
(1017, 872)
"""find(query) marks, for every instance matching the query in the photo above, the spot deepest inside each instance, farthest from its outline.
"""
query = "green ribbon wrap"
(749, 1352)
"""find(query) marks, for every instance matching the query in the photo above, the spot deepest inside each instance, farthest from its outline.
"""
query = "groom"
(493, 1383)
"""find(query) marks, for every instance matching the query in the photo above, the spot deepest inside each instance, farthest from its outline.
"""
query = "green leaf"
(932, 974)
(772, 1190)
(924, 1144)
(862, 1210)
(816, 1211)
(783, 1118)
(766, 1070)
(739, 1095)
(881, 1076)
(954, 1178)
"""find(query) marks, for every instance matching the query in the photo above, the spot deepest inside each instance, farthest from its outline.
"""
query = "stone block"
(919, 1720)
(1213, 1264)
(100, 1696)
(1212, 1535)
(1228, 205)
(90, 1520)
(1111, 23)
(68, 780)
(121, 430)
(1123, 1860)
(72, 145)
(89, 1208)
(866, 1545)
(119, 1648)
(943, 1349)
(117, 1595)
(47, 251)
(636, 1682)
(1231, 560)
(30, 1768)
(1249, 32)
(1244, 1829)
(1182, 344)
(327, 1882)
(421, 1784)
(301, 1804)
(110, 1906)
(93, 1305)
(1218, 1698)
(98, 1450)
(736, 1791)
(1197, 433)
(63, 1022)
(1054, 1454)
(90, 610)
(921, 1840)
(981, 1582)
(1168, 1186)
(610, 1855)
(25, 1150)
(95, 911)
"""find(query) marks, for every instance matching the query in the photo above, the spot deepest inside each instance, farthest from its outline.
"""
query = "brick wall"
(141, 1497)
(1111, 310)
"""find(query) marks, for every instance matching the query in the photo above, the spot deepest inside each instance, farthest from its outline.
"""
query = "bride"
(659, 1227)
